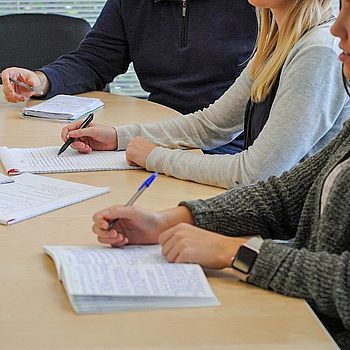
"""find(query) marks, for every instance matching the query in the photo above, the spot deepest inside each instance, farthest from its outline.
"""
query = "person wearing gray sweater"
(307, 110)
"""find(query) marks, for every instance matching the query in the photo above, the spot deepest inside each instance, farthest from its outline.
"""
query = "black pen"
(83, 125)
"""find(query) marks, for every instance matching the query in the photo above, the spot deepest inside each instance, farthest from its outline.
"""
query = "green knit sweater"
(317, 265)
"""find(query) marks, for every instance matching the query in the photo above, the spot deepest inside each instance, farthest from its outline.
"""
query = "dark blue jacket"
(186, 53)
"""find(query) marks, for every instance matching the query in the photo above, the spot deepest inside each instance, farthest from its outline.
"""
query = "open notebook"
(31, 195)
(104, 279)
(46, 160)
(65, 108)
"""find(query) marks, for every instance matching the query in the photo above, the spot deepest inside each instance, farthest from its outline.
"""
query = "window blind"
(126, 84)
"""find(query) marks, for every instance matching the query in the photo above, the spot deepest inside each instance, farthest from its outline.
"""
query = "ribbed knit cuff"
(125, 134)
(202, 215)
(267, 263)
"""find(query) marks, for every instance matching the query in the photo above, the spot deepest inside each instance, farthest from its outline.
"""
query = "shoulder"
(315, 47)
(319, 36)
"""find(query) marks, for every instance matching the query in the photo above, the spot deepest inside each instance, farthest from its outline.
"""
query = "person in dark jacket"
(309, 205)
(186, 53)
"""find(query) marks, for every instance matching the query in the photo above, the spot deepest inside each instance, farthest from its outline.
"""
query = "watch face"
(244, 259)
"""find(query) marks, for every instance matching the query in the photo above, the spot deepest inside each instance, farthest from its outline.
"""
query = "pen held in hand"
(83, 125)
(26, 86)
(136, 195)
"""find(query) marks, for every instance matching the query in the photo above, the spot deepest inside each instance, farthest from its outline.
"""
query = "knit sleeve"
(271, 208)
(320, 277)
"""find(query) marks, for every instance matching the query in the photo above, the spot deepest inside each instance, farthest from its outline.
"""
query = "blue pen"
(138, 193)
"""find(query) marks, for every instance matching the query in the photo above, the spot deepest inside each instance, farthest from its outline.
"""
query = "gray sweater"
(308, 111)
(317, 265)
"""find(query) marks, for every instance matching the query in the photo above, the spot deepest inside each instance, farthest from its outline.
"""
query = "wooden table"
(35, 312)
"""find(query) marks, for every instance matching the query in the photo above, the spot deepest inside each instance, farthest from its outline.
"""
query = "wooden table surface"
(35, 312)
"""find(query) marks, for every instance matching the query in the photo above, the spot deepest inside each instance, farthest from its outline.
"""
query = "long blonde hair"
(274, 44)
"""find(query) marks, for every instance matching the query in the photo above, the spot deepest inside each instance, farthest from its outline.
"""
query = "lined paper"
(46, 160)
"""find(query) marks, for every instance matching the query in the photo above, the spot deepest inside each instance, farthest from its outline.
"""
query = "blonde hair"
(274, 44)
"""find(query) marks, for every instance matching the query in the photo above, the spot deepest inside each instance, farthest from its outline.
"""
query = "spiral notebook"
(45, 160)
(31, 195)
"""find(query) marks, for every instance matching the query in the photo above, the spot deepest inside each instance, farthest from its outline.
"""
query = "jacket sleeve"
(302, 113)
(101, 56)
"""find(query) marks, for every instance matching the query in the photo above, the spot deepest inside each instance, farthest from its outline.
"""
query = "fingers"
(81, 147)
(13, 92)
(176, 243)
(100, 228)
(71, 130)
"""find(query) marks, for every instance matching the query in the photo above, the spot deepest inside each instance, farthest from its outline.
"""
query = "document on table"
(31, 195)
(104, 279)
(46, 160)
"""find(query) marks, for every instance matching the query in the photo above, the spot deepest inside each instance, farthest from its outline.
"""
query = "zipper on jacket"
(184, 23)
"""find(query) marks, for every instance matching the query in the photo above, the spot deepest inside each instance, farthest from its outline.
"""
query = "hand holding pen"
(83, 125)
(136, 195)
(20, 84)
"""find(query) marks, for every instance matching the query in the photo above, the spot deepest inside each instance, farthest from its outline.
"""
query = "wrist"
(44, 83)
(174, 216)
(116, 137)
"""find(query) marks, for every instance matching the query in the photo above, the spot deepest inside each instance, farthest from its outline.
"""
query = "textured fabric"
(308, 111)
(317, 264)
(328, 184)
(185, 63)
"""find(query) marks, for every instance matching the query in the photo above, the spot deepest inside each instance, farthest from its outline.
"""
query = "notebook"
(31, 195)
(65, 108)
(46, 160)
(104, 279)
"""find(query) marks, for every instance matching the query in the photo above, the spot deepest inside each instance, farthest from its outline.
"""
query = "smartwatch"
(245, 258)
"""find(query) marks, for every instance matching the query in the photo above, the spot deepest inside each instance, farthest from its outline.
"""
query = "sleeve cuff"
(125, 134)
(267, 263)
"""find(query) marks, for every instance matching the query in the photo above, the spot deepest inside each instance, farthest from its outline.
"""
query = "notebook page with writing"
(105, 279)
(32, 195)
(100, 288)
(136, 254)
(46, 160)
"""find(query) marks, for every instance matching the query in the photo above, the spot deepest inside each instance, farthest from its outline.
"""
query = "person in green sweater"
(241, 228)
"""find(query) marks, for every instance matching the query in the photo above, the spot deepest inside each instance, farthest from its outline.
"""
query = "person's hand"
(16, 93)
(185, 243)
(138, 150)
(134, 225)
(94, 137)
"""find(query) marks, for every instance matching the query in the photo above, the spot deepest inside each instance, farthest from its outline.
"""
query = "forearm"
(271, 208)
(212, 127)
(101, 56)
(320, 277)
(44, 84)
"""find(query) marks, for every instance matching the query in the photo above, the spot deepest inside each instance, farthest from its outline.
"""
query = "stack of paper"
(63, 108)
